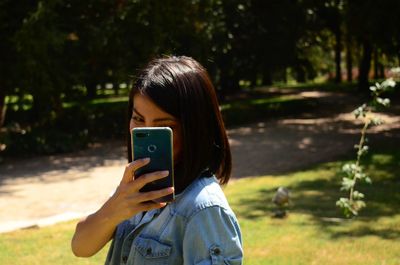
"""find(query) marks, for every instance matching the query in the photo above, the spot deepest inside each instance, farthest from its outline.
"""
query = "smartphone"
(157, 144)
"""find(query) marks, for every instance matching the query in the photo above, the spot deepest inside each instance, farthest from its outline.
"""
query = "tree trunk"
(381, 71)
(253, 76)
(338, 58)
(57, 103)
(228, 83)
(253, 80)
(300, 73)
(365, 66)
(285, 75)
(116, 88)
(43, 104)
(90, 89)
(267, 77)
(398, 54)
(349, 61)
(376, 64)
(3, 108)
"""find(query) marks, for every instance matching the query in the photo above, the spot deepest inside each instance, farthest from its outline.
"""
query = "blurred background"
(66, 65)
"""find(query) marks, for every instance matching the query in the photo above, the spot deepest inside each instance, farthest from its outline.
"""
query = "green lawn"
(50, 245)
(313, 233)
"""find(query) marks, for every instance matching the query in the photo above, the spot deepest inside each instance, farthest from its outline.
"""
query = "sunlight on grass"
(109, 100)
(313, 233)
(97, 101)
(259, 101)
(50, 245)
(274, 99)
(247, 110)
(16, 103)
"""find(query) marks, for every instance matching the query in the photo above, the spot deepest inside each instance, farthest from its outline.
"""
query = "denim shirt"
(199, 227)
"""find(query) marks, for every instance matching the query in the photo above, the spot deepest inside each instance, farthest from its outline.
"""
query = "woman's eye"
(137, 119)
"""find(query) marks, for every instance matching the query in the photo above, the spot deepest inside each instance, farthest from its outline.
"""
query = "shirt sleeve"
(212, 236)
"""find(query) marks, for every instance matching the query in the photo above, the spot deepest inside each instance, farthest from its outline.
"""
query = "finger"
(152, 195)
(132, 167)
(147, 178)
(147, 206)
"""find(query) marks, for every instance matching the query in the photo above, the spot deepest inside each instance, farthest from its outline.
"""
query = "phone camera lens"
(151, 148)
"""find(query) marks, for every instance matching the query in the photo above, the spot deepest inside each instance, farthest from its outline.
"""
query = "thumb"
(132, 167)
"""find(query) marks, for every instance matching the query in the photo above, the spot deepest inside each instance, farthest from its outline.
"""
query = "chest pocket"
(152, 251)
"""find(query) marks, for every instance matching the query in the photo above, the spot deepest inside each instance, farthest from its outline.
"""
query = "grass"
(24, 102)
(50, 245)
(322, 86)
(96, 101)
(313, 233)
(243, 111)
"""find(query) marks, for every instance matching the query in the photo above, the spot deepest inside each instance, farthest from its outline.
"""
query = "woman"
(198, 227)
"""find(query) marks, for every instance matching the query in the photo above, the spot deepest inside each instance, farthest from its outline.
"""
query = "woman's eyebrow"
(164, 119)
(155, 120)
(137, 112)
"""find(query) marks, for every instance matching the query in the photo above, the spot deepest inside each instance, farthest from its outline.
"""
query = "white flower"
(395, 70)
(389, 83)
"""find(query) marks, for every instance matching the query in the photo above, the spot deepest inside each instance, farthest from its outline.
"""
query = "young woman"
(198, 227)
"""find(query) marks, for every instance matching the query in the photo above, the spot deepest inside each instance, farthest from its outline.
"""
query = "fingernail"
(165, 173)
(145, 160)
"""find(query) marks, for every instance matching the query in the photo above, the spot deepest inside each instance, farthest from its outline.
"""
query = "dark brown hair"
(182, 87)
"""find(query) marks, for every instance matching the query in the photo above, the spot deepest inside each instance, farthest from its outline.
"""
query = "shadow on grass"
(248, 111)
(317, 197)
(368, 230)
(259, 207)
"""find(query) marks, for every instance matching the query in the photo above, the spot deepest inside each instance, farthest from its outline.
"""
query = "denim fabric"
(199, 227)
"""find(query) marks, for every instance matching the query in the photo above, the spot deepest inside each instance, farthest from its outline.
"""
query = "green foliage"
(77, 126)
(52, 47)
(354, 171)
(39, 141)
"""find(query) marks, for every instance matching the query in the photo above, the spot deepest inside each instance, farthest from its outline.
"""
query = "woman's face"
(147, 114)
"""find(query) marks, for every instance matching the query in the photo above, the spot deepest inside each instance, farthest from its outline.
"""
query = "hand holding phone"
(155, 143)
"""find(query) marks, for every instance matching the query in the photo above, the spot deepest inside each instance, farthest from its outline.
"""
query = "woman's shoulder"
(203, 193)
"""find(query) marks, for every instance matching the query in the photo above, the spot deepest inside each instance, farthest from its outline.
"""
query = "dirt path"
(45, 190)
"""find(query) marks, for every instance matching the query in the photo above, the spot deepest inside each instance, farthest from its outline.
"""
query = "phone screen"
(157, 144)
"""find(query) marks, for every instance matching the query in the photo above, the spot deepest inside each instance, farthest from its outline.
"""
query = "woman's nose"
(149, 124)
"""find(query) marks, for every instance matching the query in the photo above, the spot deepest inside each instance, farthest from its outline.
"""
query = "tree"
(40, 47)
(371, 32)
(12, 16)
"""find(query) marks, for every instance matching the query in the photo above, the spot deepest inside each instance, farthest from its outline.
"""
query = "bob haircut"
(182, 87)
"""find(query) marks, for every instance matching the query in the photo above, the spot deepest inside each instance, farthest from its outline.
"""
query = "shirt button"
(217, 251)
(148, 251)
(124, 259)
